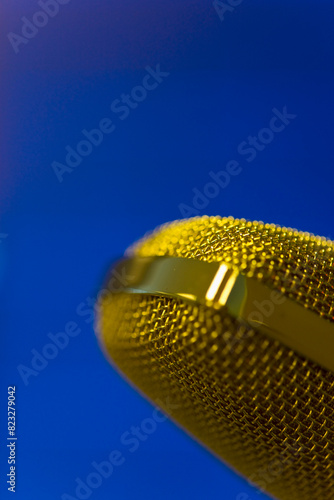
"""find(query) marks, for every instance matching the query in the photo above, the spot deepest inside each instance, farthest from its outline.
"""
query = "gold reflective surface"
(263, 407)
(218, 285)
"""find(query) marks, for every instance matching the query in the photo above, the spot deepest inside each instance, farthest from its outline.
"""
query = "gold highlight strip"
(217, 285)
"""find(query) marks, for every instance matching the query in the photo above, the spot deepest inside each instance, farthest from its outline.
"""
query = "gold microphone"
(233, 323)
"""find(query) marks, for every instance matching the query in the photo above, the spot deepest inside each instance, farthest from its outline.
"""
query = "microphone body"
(229, 326)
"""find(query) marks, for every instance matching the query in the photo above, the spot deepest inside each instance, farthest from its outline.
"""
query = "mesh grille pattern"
(257, 404)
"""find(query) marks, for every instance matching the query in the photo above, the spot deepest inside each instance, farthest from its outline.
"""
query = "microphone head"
(228, 326)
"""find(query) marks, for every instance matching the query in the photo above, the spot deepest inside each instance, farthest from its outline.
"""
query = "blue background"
(58, 239)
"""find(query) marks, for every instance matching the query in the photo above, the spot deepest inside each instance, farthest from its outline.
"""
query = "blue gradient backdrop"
(58, 238)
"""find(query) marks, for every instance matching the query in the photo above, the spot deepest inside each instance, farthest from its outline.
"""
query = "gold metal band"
(217, 285)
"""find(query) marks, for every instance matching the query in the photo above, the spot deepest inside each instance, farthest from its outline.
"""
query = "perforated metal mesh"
(257, 404)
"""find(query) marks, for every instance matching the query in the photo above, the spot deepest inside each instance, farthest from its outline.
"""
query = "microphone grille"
(257, 404)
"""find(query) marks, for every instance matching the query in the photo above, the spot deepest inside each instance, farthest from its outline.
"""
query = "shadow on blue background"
(57, 239)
